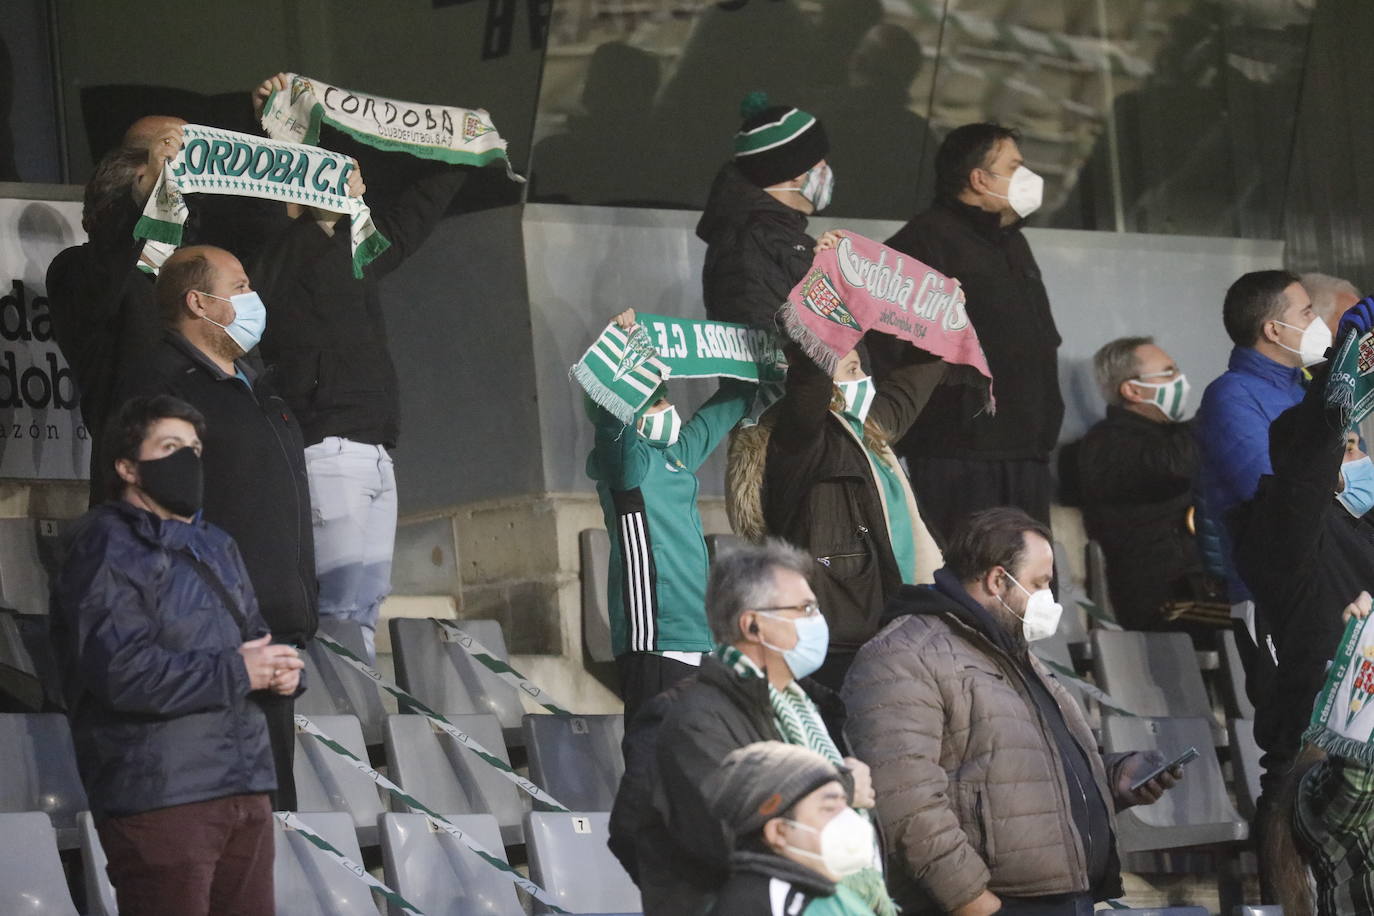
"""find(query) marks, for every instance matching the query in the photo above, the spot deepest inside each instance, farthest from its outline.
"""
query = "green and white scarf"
(214, 161)
(800, 723)
(1350, 383)
(460, 136)
(622, 370)
(1343, 718)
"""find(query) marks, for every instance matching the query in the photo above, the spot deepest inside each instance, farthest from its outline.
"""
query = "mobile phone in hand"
(1181, 760)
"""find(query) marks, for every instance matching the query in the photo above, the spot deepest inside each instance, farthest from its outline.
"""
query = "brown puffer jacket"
(972, 794)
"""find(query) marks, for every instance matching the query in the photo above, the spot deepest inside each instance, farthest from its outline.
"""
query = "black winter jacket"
(1305, 558)
(1010, 310)
(326, 333)
(1136, 478)
(661, 829)
(157, 692)
(757, 249)
(255, 483)
(761, 884)
(820, 492)
(104, 320)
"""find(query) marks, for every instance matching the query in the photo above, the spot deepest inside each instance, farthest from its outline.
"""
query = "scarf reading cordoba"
(460, 136)
(622, 369)
(861, 285)
(1343, 718)
(214, 161)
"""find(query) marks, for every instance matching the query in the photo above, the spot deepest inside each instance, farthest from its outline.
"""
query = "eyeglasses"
(806, 610)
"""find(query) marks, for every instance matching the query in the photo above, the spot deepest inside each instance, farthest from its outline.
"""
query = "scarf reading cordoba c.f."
(861, 285)
(622, 369)
(214, 161)
(1343, 718)
(460, 136)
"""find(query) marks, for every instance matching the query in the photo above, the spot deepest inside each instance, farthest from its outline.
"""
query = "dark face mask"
(176, 482)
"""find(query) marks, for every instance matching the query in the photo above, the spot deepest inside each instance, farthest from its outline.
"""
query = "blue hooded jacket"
(1233, 439)
(157, 693)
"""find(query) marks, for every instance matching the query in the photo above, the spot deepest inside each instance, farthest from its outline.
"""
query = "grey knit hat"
(758, 782)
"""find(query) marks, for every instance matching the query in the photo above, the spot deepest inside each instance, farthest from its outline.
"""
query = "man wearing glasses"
(770, 635)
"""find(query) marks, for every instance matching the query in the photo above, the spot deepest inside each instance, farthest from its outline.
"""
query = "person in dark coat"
(100, 293)
(1136, 471)
(1305, 554)
(961, 457)
(753, 687)
(162, 647)
(256, 486)
(326, 340)
(818, 472)
(754, 223)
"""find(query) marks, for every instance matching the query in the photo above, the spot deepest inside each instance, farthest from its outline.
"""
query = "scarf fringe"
(810, 342)
(1339, 745)
(602, 395)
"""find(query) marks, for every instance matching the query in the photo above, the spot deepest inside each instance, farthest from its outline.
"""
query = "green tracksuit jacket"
(657, 578)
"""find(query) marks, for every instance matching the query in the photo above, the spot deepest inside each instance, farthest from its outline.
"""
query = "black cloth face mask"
(176, 482)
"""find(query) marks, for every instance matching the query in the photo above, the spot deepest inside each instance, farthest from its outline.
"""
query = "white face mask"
(858, 397)
(1170, 397)
(846, 843)
(817, 187)
(1315, 341)
(1025, 191)
(1042, 612)
(660, 429)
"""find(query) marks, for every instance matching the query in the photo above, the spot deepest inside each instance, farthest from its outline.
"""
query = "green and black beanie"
(777, 143)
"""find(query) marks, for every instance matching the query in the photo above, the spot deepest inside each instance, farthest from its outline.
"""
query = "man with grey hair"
(1331, 297)
(1135, 474)
(769, 633)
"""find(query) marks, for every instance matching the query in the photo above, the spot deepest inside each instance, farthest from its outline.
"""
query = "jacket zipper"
(825, 560)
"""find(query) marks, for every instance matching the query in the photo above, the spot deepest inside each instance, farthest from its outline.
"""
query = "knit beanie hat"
(777, 143)
(758, 782)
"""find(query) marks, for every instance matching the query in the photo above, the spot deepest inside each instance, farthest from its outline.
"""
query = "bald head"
(144, 131)
(195, 269)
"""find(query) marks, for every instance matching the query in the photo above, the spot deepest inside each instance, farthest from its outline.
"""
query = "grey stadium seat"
(31, 878)
(1056, 649)
(20, 687)
(1235, 676)
(576, 759)
(440, 875)
(1072, 625)
(1197, 811)
(594, 549)
(336, 688)
(1245, 764)
(444, 677)
(326, 783)
(1153, 674)
(38, 763)
(569, 859)
(716, 544)
(307, 881)
(100, 895)
(23, 574)
(451, 779)
(1162, 911)
(1096, 562)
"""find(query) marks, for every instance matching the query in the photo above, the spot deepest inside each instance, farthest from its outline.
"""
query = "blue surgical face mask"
(1358, 495)
(813, 641)
(250, 319)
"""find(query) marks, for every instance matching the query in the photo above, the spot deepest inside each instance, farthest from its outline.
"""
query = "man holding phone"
(988, 780)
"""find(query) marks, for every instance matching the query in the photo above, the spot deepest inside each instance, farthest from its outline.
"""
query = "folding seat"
(38, 763)
(1162, 911)
(307, 881)
(21, 690)
(100, 895)
(1072, 625)
(326, 782)
(1056, 649)
(23, 576)
(716, 544)
(1197, 811)
(450, 779)
(443, 676)
(1245, 764)
(440, 875)
(594, 550)
(576, 759)
(1098, 592)
(31, 878)
(569, 859)
(336, 687)
(1234, 672)
(1153, 674)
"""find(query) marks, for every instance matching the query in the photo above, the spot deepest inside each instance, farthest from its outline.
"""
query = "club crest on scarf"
(1363, 687)
(638, 348)
(820, 296)
(1366, 357)
(474, 128)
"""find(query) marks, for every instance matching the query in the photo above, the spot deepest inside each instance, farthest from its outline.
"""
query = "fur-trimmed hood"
(748, 454)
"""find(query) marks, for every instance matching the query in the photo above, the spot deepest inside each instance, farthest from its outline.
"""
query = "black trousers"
(948, 490)
(281, 732)
(644, 675)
